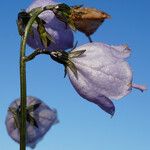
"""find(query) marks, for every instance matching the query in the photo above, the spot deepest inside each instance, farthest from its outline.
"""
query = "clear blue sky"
(83, 126)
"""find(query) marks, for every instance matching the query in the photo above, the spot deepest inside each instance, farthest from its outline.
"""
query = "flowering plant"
(99, 72)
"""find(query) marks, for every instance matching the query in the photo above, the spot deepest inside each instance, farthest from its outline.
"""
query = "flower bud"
(39, 119)
(61, 35)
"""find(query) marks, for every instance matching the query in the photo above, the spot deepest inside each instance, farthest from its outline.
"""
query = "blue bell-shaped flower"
(39, 119)
(99, 72)
(60, 35)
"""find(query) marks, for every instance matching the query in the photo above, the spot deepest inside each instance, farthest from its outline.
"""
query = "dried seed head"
(87, 20)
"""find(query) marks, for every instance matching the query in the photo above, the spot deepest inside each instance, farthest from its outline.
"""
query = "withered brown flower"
(87, 20)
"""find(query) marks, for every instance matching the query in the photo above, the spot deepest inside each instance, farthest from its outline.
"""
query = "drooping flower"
(98, 72)
(55, 32)
(39, 120)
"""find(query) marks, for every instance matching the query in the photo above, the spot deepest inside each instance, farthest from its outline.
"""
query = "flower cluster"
(98, 71)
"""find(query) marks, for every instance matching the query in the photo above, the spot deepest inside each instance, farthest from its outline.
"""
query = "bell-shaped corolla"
(39, 119)
(99, 72)
(56, 35)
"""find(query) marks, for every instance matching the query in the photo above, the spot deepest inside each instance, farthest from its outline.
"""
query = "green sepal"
(34, 10)
(15, 116)
(16, 121)
(70, 64)
(73, 68)
(63, 12)
(64, 8)
(74, 54)
(65, 70)
(33, 107)
(20, 28)
(71, 24)
(31, 120)
(12, 110)
(22, 21)
(45, 38)
(77, 6)
(65, 58)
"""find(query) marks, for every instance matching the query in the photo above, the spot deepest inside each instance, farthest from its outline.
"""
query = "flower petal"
(121, 51)
(105, 103)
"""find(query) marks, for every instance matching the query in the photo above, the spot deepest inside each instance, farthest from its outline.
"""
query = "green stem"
(90, 39)
(23, 60)
(36, 53)
(23, 98)
(23, 80)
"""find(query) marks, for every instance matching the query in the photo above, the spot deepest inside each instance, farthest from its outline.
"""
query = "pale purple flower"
(99, 73)
(40, 118)
(62, 35)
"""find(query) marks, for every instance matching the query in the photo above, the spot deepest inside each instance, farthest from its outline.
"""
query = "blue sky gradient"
(83, 126)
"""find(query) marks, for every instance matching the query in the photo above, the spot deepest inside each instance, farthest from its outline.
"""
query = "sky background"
(83, 125)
